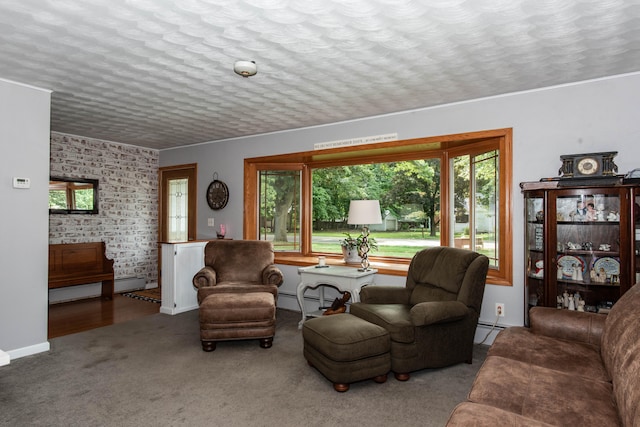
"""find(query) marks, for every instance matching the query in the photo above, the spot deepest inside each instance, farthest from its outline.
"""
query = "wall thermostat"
(21, 182)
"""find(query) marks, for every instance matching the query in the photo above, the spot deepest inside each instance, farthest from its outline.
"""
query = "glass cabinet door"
(588, 273)
(534, 251)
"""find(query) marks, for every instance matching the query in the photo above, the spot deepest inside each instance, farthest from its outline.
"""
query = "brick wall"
(128, 201)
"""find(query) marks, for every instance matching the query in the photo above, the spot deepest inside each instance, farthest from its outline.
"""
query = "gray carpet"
(152, 372)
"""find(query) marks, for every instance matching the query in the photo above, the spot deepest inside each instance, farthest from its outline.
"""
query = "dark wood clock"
(588, 165)
(217, 195)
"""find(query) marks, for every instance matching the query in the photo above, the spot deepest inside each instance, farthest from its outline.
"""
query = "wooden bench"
(73, 264)
(465, 243)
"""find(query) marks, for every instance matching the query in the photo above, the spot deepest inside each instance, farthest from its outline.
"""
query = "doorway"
(177, 198)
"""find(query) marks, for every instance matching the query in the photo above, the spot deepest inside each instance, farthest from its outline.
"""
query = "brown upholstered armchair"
(237, 292)
(432, 320)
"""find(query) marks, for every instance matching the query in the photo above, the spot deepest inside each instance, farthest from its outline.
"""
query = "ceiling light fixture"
(245, 68)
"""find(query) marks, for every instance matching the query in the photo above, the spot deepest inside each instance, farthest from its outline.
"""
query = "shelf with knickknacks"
(578, 226)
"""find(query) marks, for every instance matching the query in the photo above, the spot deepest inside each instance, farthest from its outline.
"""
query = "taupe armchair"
(432, 320)
(237, 292)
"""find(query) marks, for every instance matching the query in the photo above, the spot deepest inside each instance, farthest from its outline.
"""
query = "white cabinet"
(180, 262)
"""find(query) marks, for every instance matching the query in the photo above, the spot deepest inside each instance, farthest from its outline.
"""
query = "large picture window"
(444, 191)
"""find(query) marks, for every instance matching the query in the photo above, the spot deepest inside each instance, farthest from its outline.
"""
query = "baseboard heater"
(128, 284)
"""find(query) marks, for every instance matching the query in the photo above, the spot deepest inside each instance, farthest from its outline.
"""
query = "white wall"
(599, 115)
(24, 138)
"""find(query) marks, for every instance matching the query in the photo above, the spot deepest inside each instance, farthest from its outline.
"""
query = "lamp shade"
(364, 212)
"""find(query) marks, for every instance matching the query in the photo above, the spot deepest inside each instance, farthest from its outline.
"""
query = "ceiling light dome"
(245, 68)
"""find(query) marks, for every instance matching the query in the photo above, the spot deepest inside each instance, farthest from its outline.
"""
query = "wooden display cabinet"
(582, 243)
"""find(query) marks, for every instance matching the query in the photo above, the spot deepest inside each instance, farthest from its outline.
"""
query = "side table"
(342, 278)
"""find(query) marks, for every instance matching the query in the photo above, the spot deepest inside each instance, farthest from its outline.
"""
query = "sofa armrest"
(432, 312)
(272, 275)
(567, 325)
(374, 294)
(205, 277)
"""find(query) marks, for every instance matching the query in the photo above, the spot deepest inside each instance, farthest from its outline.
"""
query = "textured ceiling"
(158, 73)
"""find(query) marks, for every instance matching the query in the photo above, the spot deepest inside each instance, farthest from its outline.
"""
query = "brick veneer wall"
(128, 201)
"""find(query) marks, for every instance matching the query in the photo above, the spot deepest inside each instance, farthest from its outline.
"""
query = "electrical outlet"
(499, 309)
(211, 222)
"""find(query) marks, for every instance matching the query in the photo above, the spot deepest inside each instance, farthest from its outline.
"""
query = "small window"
(73, 195)
(279, 201)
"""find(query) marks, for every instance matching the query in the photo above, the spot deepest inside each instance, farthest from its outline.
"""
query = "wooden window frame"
(443, 147)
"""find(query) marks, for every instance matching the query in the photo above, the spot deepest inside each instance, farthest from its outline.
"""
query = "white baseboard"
(4, 358)
(28, 351)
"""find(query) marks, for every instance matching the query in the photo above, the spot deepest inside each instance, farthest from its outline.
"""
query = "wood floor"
(83, 315)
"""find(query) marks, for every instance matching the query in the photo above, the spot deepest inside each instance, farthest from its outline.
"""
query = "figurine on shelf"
(591, 212)
(574, 246)
(565, 299)
(600, 212)
(613, 216)
(539, 273)
(559, 275)
(577, 273)
(572, 305)
(559, 302)
(580, 212)
(598, 276)
(581, 305)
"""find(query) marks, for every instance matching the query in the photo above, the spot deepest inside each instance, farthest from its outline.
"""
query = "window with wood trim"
(452, 190)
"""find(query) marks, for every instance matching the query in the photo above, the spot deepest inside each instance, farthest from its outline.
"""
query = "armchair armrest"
(432, 312)
(567, 325)
(374, 294)
(205, 277)
(272, 275)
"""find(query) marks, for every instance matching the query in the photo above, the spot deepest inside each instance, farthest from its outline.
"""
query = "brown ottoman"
(346, 349)
(225, 317)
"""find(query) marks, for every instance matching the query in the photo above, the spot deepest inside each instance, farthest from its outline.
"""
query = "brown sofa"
(568, 369)
(237, 292)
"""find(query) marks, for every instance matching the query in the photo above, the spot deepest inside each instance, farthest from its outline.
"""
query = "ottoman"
(244, 316)
(346, 349)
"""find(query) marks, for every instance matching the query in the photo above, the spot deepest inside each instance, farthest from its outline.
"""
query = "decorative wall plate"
(567, 263)
(609, 264)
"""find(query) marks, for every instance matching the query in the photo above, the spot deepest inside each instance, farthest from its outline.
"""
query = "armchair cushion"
(384, 295)
(395, 318)
(429, 313)
(441, 271)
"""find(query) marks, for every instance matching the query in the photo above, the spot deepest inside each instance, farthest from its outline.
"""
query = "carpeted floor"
(152, 372)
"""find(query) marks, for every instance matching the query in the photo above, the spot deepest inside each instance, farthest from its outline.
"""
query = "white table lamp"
(365, 213)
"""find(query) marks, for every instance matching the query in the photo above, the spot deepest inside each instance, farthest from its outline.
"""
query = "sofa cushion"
(478, 415)
(621, 354)
(543, 394)
(522, 344)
